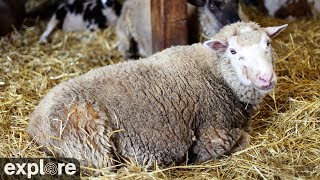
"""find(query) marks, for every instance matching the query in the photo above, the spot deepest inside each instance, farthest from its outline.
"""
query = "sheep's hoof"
(43, 40)
(242, 143)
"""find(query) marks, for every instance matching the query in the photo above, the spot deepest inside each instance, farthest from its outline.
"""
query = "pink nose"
(265, 79)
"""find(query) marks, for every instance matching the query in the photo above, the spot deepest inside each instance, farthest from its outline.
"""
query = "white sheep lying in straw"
(187, 99)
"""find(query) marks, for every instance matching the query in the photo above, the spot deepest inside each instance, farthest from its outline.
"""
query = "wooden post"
(169, 23)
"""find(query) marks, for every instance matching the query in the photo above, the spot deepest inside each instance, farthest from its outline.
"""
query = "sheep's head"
(249, 52)
(225, 11)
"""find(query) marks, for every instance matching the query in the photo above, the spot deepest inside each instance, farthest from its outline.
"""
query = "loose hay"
(286, 131)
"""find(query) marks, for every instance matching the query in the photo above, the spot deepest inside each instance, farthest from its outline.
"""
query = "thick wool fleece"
(248, 33)
(181, 100)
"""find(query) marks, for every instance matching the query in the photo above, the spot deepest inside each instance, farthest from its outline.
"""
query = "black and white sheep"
(81, 15)
(214, 14)
(134, 23)
(194, 100)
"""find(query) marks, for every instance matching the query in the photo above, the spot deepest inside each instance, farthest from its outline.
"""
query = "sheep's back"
(151, 109)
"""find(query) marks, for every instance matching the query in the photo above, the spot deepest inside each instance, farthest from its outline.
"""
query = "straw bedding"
(285, 131)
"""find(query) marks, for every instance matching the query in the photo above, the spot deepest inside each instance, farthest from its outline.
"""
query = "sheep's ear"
(197, 2)
(216, 45)
(275, 30)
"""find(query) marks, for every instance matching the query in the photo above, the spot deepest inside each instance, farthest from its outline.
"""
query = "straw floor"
(286, 129)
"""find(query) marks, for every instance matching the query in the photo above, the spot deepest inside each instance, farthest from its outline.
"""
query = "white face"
(253, 63)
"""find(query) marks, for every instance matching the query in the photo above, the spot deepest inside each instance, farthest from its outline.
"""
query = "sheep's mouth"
(266, 88)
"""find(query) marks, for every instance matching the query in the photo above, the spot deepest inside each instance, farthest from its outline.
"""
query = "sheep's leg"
(50, 27)
(124, 43)
(213, 143)
(242, 143)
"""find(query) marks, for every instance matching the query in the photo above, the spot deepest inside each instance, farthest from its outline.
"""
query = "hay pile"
(286, 130)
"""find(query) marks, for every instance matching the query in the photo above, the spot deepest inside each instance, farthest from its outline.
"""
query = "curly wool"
(247, 33)
(183, 100)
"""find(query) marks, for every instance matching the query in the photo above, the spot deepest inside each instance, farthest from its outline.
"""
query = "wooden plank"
(169, 23)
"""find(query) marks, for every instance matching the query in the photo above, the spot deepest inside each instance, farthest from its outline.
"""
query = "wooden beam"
(169, 23)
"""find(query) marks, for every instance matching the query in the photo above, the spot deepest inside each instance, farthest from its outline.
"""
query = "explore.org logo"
(39, 168)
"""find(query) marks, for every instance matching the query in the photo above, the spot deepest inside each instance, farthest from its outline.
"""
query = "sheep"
(214, 14)
(134, 24)
(288, 9)
(47, 8)
(187, 101)
(11, 14)
(79, 15)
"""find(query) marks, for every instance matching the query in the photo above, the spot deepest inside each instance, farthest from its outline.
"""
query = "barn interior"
(285, 130)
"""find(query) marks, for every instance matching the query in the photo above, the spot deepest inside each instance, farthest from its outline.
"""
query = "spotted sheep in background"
(81, 15)
(213, 15)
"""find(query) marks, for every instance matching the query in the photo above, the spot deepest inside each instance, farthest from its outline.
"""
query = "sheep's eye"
(214, 4)
(241, 58)
(268, 43)
(233, 51)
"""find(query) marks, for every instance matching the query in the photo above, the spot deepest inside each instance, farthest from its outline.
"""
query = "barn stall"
(285, 130)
